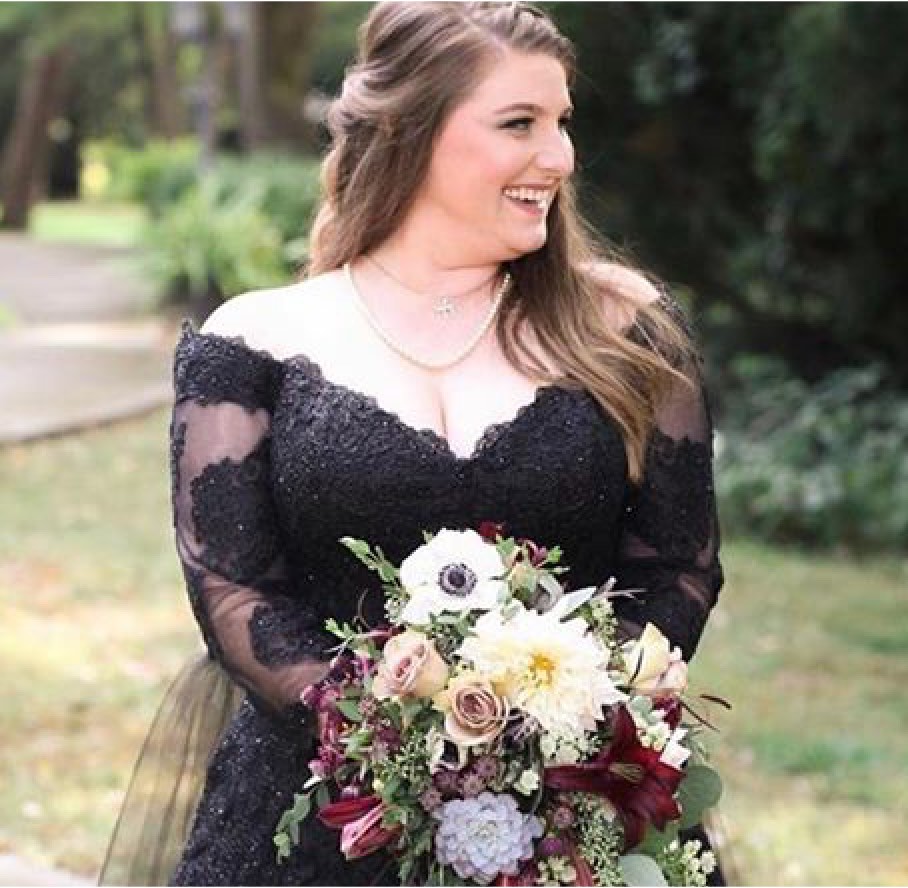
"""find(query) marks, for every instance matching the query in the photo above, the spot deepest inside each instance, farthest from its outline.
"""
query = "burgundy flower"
(360, 823)
(489, 531)
(672, 709)
(447, 781)
(366, 835)
(581, 867)
(311, 696)
(537, 554)
(327, 762)
(630, 775)
(526, 875)
(551, 846)
(338, 814)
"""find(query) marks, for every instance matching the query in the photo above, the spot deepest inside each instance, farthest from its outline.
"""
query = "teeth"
(537, 195)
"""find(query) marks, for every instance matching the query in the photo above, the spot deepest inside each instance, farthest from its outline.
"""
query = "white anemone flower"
(457, 570)
(551, 669)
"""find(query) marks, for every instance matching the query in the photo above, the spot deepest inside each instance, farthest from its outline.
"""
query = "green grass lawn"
(94, 223)
(811, 650)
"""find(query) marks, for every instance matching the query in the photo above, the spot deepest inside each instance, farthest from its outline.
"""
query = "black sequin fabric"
(273, 463)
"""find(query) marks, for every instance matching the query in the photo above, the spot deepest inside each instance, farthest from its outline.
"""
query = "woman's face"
(498, 161)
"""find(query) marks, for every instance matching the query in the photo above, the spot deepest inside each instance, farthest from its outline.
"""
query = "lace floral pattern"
(214, 370)
(281, 633)
(673, 511)
(177, 447)
(232, 513)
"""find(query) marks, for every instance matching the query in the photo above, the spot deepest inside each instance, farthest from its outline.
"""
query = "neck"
(431, 266)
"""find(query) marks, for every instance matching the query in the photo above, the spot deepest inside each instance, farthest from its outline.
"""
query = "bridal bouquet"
(497, 732)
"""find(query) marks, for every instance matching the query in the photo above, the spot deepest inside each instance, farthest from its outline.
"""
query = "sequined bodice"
(343, 465)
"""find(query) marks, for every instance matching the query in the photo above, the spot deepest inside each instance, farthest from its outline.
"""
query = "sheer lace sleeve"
(227, 535)
(669, 547)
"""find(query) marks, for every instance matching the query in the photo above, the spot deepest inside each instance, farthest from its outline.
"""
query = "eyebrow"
(531, 107)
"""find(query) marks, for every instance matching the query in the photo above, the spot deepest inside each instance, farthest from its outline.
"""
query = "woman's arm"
(227, 533)
(669, 546)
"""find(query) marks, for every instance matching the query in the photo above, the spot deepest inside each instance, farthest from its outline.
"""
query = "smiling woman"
(373, 400)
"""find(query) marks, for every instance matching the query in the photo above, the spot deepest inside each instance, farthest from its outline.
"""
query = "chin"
(529, 245)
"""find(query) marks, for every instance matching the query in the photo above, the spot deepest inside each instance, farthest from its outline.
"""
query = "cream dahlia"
(553, 670)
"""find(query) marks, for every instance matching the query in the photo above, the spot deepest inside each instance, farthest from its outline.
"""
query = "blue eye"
(519, 123)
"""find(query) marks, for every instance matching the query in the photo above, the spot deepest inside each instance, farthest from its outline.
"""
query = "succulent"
(484, 837)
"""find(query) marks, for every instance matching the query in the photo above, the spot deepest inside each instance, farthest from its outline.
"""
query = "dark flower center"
(457, 580)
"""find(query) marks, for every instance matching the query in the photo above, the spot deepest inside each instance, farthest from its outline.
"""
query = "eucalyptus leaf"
(654, 840)
(700, 789)
(302, 803)
(640, 869)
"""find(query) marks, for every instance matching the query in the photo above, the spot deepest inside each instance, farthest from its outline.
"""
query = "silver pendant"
(445, 307)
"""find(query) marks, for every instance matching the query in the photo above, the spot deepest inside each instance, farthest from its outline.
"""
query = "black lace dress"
(272, 463)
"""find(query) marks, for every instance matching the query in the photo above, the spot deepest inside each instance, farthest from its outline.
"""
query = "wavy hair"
(416, 63)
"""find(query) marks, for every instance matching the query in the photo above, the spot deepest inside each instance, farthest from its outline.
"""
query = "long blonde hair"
(416, 63)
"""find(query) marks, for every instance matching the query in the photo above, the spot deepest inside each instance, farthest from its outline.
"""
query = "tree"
(286, 32)
(753, 155)
(39, 99)
(166, 110)
(88, 44)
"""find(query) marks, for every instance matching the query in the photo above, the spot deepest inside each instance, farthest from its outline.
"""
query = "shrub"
(286, 187)
(156, 175)
(210, 245)
(243, 227)
(821, 465)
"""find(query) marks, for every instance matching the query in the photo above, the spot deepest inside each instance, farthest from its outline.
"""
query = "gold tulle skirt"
(169, 776)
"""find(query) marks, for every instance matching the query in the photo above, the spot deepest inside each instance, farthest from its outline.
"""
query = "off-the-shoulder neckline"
(439, 442)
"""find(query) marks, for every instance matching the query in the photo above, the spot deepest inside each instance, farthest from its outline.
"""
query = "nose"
(556, 154)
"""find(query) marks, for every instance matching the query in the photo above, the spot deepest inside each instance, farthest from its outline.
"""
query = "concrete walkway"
(82, 346)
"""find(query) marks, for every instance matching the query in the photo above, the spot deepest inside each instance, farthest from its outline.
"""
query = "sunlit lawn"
(88, 222)
(811, 651)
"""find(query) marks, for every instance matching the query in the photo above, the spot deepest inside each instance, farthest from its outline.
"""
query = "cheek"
(475, 163)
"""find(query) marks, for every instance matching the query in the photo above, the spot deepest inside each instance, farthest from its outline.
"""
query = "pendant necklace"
(445, 305)
(404, 352)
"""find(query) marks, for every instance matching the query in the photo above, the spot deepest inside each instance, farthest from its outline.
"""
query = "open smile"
(533, 201)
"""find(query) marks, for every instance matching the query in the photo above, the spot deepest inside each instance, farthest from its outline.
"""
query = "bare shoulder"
(266, 319)
(633, 288)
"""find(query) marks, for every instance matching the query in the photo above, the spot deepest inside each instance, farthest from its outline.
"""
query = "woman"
(458, 353)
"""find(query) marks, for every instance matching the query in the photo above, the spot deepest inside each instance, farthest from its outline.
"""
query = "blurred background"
(159, 158)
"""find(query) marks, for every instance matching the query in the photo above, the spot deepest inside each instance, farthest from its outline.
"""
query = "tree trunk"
(38, 100)
(168, 116)
(287, 31)
(250, 80)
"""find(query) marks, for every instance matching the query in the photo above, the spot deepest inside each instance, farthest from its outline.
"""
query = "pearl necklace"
(444, 305)
(389, 340)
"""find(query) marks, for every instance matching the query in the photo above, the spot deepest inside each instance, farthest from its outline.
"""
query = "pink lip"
(531, 209)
